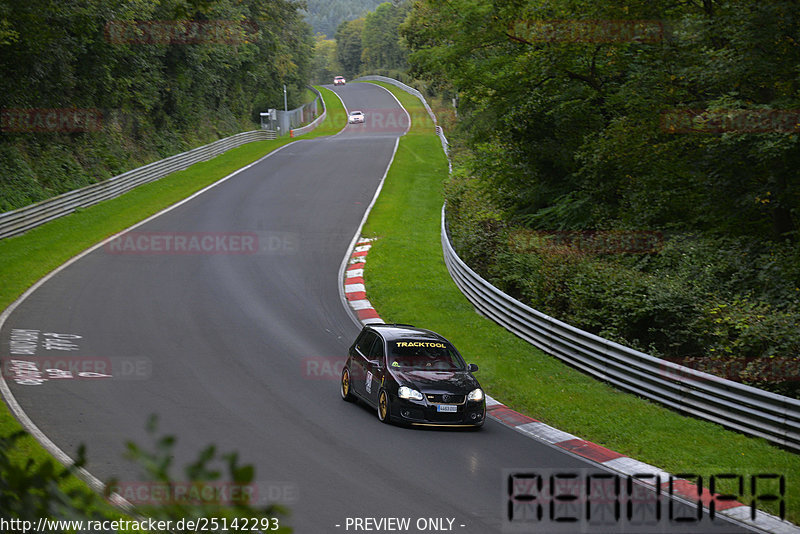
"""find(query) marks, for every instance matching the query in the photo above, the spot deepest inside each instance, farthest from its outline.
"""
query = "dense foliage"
(325, 16)
(162, 76)
(349, 46)
(325, 65)
(629, 116)
(31, 491)
(574, 126)
(371, 44)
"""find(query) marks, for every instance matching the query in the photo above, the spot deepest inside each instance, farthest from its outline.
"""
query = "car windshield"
(424, 355)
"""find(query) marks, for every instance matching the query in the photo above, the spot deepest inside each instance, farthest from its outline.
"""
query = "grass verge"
(407, 282)
(27, 258)
(335, 116)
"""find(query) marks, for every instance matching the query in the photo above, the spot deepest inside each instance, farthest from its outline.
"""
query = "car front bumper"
(418, 413)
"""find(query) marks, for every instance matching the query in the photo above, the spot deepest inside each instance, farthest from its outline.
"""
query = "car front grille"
(446, 398)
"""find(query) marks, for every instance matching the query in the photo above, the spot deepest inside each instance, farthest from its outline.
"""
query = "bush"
(31, 491)
(723, 305)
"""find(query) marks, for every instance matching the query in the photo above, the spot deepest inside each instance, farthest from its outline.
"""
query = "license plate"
(445, 408)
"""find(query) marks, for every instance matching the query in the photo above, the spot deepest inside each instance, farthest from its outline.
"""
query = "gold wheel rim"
(345, 383)
(382, 403)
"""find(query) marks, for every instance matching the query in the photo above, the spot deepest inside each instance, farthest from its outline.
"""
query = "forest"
(92, 89)
(325, 16)
(368, 44)
(585, 126)
(627, 166)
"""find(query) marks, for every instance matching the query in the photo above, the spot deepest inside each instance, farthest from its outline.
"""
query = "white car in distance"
(355, 117)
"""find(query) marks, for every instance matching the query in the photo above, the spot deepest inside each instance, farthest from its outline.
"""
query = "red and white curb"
(356, 296)
(354, 290)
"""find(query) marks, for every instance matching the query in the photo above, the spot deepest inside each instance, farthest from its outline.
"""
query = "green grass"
(407, 282)
(27, 258)
(335, 118)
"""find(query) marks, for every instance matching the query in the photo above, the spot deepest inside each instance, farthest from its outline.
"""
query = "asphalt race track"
(239, 342)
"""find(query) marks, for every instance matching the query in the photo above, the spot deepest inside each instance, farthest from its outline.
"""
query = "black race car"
(412, 376)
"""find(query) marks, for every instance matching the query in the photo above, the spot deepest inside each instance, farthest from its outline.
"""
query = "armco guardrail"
(734, 405)
(23, 219)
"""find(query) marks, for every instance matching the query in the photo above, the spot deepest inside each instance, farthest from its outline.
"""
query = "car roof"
(392, 332)
(356, 112)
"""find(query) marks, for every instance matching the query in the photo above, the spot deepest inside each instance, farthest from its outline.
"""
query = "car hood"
(455, 382)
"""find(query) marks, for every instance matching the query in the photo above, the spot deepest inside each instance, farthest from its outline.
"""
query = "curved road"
(235, 344)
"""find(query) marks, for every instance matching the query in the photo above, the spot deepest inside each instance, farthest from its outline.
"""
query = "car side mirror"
(472, 368)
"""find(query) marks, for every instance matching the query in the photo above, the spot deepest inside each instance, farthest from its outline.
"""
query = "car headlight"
(406, 392)
(475, 395)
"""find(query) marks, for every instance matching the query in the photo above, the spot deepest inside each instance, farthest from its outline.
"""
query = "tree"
(382, 47)
(325, 16)
(32, 491)
(164, 75)
(566, 108)
(325, 65)
(630, 115)
(348, 46)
